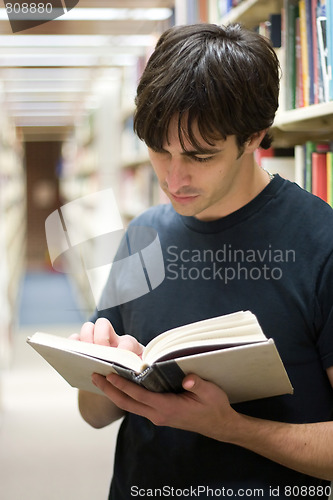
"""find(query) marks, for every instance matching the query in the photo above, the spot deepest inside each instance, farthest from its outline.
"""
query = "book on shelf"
(284, 166)
(278, 161)
(194, 11)
(323, 78)
(298, 91)
(289, 42)
(315, 50)
(299, 154)
(224, 6)
(329, 33)
(319, 175)
(304, 52)
(307, 37)
(271, 29)
(310, 147)
(329, 169)
(313, 162)
(310, 37)
(231, 351)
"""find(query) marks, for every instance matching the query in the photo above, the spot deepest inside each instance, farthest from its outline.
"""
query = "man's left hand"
(203, 407)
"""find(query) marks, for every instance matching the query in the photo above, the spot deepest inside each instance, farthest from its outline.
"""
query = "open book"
(231, 351)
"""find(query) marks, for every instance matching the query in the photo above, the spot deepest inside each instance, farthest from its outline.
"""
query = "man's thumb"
(191, 383)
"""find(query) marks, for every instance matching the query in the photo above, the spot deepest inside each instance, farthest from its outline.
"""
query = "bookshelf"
(138, 186)
(91, 161)
(12, 231)
(305, 114)
(103, 152)
(248, 12)
(317, 117)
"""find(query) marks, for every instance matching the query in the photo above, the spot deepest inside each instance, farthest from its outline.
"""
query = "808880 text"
(29, 8)
(307, 491)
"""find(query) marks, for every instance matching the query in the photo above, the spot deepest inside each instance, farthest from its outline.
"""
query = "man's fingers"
(104, 333)
(87, 332)
(135, 392)
(130, 344)
(74, 336)
(120, 398)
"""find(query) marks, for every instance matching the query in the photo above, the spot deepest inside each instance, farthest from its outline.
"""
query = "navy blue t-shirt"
(273, 257)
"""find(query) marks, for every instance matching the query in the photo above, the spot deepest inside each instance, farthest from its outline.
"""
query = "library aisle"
(47, 451)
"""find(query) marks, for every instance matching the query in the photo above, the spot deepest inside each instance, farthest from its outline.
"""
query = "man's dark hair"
(225, 79)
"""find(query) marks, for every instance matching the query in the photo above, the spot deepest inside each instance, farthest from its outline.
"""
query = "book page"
(191, 348)
(52, 345)
(242, 326)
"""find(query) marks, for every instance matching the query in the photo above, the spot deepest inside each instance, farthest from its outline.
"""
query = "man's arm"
(98, 411)
(204, 408)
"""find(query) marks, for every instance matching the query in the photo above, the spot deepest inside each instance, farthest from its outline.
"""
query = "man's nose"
(178, 175)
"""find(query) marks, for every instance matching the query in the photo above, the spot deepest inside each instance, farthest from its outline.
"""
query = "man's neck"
(246, 188)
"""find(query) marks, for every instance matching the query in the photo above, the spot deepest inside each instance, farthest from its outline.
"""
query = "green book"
(310, 147)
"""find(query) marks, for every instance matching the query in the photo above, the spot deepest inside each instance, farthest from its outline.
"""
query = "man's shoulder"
(299, 198)
(306, 217)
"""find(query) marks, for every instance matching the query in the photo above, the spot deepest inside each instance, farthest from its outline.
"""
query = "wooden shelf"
(318, 118)
(252, 12)
(297, 126)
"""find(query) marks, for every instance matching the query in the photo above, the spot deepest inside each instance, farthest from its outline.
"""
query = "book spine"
(275, 29)
(329, 158)
(310, 147)
(203, 11)
(299, 94)
(329, 34)
(304, 50)
(290, 11)
(315, 51)
(299, 164)
(319, 175)
(165, 376)
(310, 48)
(148, 378)
(299, 91)
(322, 49)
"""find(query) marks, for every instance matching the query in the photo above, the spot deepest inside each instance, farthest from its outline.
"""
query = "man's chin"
(184, 210)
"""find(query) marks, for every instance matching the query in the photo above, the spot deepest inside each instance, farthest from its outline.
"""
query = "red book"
(319, 175)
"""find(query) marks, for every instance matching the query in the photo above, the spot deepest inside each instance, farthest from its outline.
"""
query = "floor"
(47, 452)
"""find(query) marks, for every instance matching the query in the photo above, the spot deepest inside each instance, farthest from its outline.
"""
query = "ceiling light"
(44, 41)
(92, 14)
(72, 60)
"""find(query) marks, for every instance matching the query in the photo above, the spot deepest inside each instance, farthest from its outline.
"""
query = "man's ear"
(254, 141)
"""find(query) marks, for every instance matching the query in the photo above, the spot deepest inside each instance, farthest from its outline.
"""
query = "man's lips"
(183, 198)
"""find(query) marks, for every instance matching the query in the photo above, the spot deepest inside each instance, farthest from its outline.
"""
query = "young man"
(234, 237)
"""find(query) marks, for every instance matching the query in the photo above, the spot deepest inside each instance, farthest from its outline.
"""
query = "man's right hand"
(97, 410)
(102, 333)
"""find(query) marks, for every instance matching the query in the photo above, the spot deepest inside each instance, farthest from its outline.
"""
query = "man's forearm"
(204, 408)
(306, 448)
(98, 411)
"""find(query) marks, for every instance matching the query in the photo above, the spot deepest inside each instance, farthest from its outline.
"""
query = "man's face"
(204, 183)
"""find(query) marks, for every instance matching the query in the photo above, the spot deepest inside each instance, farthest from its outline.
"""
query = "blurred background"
(67, 91)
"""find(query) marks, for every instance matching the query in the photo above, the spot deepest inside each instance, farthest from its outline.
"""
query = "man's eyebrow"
(203, 151)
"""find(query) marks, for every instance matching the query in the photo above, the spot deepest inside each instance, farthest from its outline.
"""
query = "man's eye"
(202, 159)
